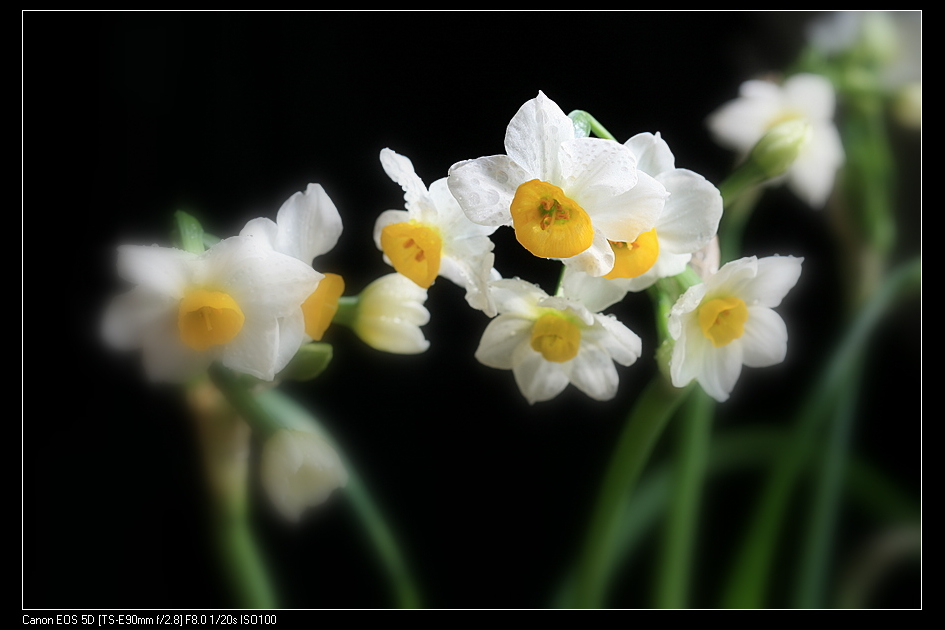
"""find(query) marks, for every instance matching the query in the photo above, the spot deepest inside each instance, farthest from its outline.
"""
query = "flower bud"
(299, 470)
(779, 147)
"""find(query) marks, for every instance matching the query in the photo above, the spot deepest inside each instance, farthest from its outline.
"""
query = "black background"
(129, 116)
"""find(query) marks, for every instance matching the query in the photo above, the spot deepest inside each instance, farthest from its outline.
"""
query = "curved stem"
(676, 562)
(748, 583)
(643, 428)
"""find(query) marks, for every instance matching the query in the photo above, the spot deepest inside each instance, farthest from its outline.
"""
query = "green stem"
(817, 548)
(748, 583)
(643, 428)
(676, 563)
(224, 439)
(733, 451)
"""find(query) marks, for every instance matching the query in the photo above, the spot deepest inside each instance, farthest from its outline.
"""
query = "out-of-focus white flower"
(728, 321)
(307, 225)
(761, 105)
(433, 237)
(389, 314)
(565, 196)
(299, 470)
(689, 221)
(549, 342)
(237, 302)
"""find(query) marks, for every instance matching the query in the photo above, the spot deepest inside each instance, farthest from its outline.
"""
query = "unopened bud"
(779, 147)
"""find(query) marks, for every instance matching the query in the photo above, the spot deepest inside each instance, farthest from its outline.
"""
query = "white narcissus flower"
(741, 123)
(689, 221)
(389, 314)
(299, 470)
(433, 237)
(307, 225)
(237, 302)
(565, 196)
(728, 321)
(549, 342)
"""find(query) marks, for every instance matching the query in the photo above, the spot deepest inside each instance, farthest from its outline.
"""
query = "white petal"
(513, 295)
(265, 283)
(732, 279)
(764, 341)
(596, 260)
(255, 350)
(593, 372)
(812, 94)
(813, 173)
(776, 276)
(534, 136)
(624, 217)
(309, 224)
(163, 270)
(400, 169)
(689, 350)
(679, 314)
(652, 153)
(474, 272)
(740, 123)
(691, 215)
(721, 368)
(538, 379)
(501, 341)
(485, 187)
(621, 343)
(130, 314)
(291, 337)
(166, 358)
(451, 219)
(594, 168)
(596, 293)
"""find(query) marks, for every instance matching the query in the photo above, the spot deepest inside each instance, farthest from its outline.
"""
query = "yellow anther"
(320, 307)
(548, 223)
(723, 320)
(414, 250)
(208, 318)
(636, 258)
(556, 337)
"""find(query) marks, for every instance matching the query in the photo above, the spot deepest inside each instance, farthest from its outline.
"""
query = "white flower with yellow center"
(389, 314)
(307, 225)
(761, 105)
(549, 342)
(229, 303)
(728, 321)
(566, 197)
(433, 237)
(299, 470)
(690, 219)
